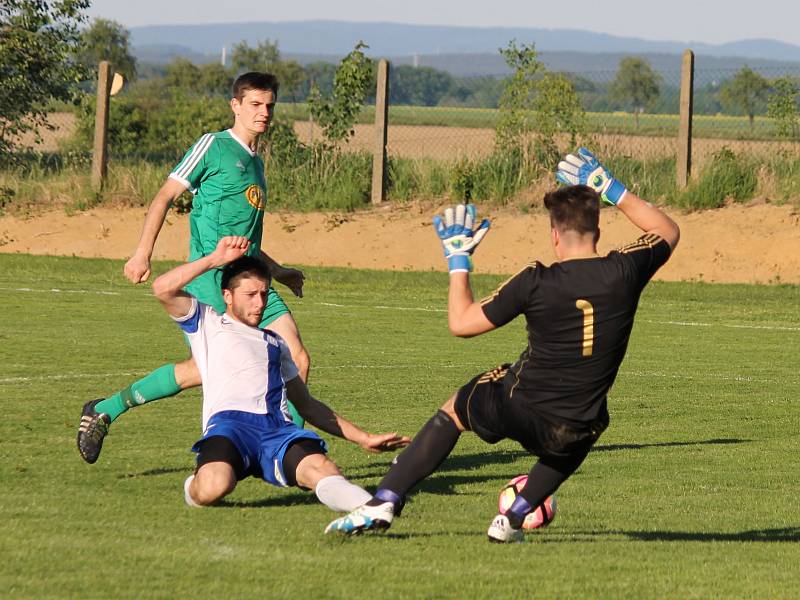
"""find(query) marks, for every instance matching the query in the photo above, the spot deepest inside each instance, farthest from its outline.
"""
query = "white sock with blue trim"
(340, 495)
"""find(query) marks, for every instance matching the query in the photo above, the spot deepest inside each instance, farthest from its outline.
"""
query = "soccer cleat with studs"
(502, 532)
(91, 431)
(364, 518)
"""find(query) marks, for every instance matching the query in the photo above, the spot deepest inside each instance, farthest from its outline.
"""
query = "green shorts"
(207, 290)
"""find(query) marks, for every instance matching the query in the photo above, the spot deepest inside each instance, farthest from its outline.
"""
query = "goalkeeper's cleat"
(91, 431)
(364, 518)
(187, 497)
(502, 532)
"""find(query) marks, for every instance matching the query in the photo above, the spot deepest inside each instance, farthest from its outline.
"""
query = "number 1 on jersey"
(588, 325)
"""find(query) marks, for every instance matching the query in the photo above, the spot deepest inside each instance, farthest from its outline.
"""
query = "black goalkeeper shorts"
(483, 407)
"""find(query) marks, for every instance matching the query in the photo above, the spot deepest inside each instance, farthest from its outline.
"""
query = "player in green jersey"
(226, 176)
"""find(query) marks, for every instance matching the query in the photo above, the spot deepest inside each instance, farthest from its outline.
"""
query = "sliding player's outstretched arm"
(321, 416)
(465, 317)
(583, 168)
(168, 288)
(137, 269)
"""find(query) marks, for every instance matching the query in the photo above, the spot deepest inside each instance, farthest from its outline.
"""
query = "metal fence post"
(381, 126)
(684, 165)
(100, 154)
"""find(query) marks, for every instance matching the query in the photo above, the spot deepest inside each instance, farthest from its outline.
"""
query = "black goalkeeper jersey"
(579, 317)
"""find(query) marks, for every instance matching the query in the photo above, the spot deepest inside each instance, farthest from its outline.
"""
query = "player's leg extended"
(564, 450)
(278, 318)
(97, 415)
(429, 448)
(476, 407)
(306, 466)
(216, 475)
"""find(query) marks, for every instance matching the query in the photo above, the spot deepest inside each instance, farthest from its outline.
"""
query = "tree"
(267, 57)
(418, 86)
(557, 109)
(337, 113)
(746, 91)
(107, 40)
(215, 80)
(37, 39)
(210, 79)
(182, 73)
(637, 84)
(782, 106)
(517, 99)
(264, 57)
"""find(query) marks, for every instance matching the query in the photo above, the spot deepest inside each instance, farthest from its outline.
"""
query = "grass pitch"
(692, 491)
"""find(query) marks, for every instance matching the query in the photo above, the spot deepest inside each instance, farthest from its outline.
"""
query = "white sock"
(340, 495)
(187, 496)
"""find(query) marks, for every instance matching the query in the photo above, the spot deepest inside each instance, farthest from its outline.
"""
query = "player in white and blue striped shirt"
(248, 376)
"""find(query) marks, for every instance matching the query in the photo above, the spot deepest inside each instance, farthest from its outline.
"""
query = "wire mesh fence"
(648, 131)
(746, 111)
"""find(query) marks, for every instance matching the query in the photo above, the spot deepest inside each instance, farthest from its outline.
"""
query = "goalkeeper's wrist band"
(459, 263)
(614, 192)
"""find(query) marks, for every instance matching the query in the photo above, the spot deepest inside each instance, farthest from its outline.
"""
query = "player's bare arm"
(649, 219)
(291, 278)
(168, 288)
(583, 168)
(465, 317)
(137, 269)
(325, 419)
(459, 239)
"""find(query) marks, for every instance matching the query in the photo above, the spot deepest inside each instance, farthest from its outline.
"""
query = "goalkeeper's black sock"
(427, 451)
(544, 479)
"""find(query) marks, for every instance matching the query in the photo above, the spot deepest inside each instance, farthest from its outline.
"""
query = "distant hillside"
(336, 38)
(594, 66)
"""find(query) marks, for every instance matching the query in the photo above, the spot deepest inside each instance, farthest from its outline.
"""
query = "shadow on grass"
(782, 534)
(294, 498)
(158, 471)
(445, 483)
(716, 441)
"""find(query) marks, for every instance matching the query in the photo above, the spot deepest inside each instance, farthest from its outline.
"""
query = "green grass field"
(691, 493)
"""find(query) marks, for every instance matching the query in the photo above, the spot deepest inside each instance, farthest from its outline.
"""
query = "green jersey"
(229, 188)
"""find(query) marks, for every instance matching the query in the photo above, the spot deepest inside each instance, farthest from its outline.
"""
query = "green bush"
(727, 176)
(301, 177)
(651, 179)
(155, 127)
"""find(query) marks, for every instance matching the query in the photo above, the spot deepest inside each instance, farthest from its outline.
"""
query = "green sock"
(296, 418)
(158, 384)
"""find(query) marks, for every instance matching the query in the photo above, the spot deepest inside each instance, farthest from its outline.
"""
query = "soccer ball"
(541, 516)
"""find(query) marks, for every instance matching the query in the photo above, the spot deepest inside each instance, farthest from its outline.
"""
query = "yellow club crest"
(255, 196)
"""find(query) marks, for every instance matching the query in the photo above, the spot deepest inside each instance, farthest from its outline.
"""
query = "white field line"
(60, 291)
(437, 310)
(696, 324)
(642, 374)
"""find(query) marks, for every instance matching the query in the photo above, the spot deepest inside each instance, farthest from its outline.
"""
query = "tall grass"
(307, 179)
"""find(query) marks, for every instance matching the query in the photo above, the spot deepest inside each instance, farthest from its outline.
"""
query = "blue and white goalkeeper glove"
(458, 238)
(583, 168)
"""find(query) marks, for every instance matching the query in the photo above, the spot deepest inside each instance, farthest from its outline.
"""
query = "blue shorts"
(261, 440)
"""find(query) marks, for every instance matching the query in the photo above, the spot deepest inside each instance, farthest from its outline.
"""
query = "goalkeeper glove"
(458, 238)
(585, 169)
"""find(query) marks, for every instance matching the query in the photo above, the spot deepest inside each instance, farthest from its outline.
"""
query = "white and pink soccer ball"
(541, 516)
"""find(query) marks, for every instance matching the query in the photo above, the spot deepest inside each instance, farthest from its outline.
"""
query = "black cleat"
(91, 431)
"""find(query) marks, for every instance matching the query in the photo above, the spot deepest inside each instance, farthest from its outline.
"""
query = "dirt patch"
(736, 244)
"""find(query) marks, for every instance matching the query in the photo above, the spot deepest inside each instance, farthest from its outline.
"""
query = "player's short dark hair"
(575, 207)
(246, 266)
(254, 80)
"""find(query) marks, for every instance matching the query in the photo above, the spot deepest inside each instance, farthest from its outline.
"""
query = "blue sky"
(711, 22)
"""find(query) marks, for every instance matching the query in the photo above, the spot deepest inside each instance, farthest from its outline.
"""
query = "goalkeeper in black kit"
(579, 313)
